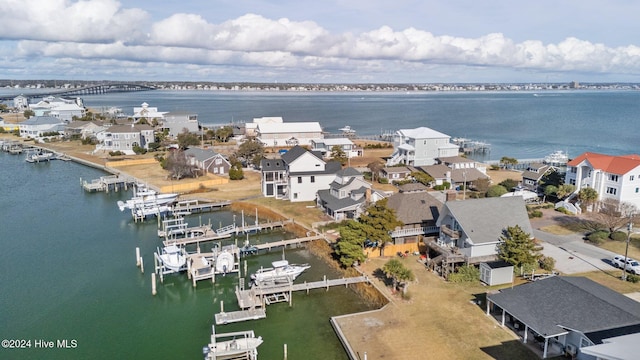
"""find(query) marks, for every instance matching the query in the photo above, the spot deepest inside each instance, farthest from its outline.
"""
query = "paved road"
(573, 254)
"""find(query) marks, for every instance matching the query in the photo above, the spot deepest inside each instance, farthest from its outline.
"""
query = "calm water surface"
(67, 271)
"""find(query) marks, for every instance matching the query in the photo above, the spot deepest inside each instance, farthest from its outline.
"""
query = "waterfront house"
(396, 173)
(21, 102)
(85, 129)
(35, 126)
(612, 177)
(472, 228)
(146, 112)
(250, 128)
(347, 196)
(63, 109)
(418, 211)
(125, 137)
(420, 146)
(297, 175)
(208, 160)
(532, 176)
(456, 170)
(325, 146)
(564, 314)
(176, 122)
(288, 134)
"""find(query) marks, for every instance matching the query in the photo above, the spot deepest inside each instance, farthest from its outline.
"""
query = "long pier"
(227, 231)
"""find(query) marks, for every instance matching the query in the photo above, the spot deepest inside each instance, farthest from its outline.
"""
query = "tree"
(235, 172)
(517, 248)
(508, 162)
(375, 167)
(250, 152)
(422, 177)
(509, 183)
(588, 195)
(400, 274)
(482, 185)
(379, 220)
(564, 190)
(224, 133)
(349, 247)
(496, 191)
(28, 113)
(550, 190)
(613, 214)
(178, 165)
(552, 177)
(339, 155)
(186, 139)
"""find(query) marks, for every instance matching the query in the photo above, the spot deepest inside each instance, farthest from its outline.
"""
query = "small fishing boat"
(40, 156)
(281, 271)
(238, 345)
(347, 130)
(224, 262)
(558, 157)
(173, 258)
(147, 200)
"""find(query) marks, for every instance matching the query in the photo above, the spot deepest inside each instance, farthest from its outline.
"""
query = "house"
(396, 172)
(177, 122)
(250, 129)
(420, 146)
(85, 129)
(288, 134)
(612, 177)
(418, 211)
(473, 227)
(456, 170)
(36, 126)
(125, 137)
(208, 160)
(565, 314)
(347, 196)
(63, 109)
(623, 347)
(21, 102)
(325, 146)
(496, 273)
(532, 176)
(147, 112)
(297, 175)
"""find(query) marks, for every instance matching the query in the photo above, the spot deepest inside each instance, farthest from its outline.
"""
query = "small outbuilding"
(496, 273)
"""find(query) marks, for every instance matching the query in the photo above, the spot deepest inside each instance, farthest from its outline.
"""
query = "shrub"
(564, 211)
(115, 153)
(236, 173)
(597, 237)
(383, 180)
(619, 236)
(496, 191)
(633, 278)
(547, 263)
(535, 214)
(465, 274)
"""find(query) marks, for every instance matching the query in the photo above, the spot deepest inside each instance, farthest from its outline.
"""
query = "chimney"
(451, 196)
(367, 195)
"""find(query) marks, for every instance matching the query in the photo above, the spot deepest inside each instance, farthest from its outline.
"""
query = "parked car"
(633, 266)
(618, 261)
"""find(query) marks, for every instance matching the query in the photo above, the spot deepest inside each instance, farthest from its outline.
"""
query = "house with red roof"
(612, 177)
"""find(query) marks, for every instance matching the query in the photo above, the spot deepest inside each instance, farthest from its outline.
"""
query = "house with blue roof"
(35, 126)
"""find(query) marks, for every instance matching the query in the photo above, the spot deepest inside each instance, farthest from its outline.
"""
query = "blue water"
(67, 272)
(523, 125)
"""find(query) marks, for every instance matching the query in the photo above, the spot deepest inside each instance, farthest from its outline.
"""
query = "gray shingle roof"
(200, 154)
(483, 220)
(415, 208)
(335, 204)
(293, 153)
(551, 305)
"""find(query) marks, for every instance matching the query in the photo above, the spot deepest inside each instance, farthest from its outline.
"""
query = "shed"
(496, 273)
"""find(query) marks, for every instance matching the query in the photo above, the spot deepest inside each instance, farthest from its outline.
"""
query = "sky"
(327, 41)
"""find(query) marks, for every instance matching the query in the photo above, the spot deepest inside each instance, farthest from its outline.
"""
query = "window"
(631, 178)
(613, 177)
(637, 189)
(299, 179)
(313, 179)
(612, 191)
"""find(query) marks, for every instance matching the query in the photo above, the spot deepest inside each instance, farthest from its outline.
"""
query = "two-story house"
(63, 109)
(325, 146)
(418, 211)
(347, 196)
(144, 111)
(420, 146)
(533, 175)
(208, 160)
(125, 137)
(456, 170)
(288, 134)
(612, 177)
(36, 126)
(297, 175)
(177, 122)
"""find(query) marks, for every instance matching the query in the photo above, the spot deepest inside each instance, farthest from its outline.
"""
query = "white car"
(618, 261)
(633, 266)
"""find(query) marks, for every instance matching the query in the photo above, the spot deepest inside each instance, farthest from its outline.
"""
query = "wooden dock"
(254, 300)
(108, 183)
(185, 207)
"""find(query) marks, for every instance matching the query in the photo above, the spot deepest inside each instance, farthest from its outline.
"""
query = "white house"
(288, 134)
(325, 146)
(85, 129)
(297, 175)
(36, 126)
(612, 177)
(147, 112)
(420, 146)
(20, 102)
(64, 109)
(250, 128)
(125, 137)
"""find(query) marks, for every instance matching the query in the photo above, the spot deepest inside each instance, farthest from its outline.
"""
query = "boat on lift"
(225, 262)
(281, 271)
(173, 258)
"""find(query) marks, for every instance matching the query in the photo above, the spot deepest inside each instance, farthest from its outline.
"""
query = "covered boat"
(173, 258)
(224, 262)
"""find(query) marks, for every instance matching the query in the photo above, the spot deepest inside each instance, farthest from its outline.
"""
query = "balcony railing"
(447, 230)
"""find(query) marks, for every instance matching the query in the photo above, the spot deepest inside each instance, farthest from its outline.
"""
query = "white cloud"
(97, 34)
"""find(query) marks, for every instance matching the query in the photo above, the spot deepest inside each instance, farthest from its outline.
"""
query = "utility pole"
(626, 250)
(464, 189)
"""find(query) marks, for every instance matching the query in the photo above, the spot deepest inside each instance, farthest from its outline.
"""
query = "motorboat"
(224, 262)
(40, 157)
(147, 200)
(281, 271)
(173, 258)
(145, 210)
(347, 130)
(236, 345)
(558, 157)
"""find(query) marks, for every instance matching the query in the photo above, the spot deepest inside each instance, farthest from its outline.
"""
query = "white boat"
(224, 262)
(527, 195)
(558, 157)
(173, 258)
(145, 210)
(281, 271)
(347, 130)
(147, 200)
(40, 157)
(239, 345)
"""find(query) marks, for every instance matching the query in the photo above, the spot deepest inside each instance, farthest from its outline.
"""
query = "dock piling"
(285, 351)
(137, 256)
(141, 265)
(153, 284)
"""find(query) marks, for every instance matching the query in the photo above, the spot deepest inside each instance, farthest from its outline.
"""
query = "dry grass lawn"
(439, 321)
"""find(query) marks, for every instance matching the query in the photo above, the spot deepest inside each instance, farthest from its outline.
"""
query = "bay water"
(68, 273)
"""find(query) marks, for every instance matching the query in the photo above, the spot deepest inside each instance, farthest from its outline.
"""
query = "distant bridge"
(87, 90)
